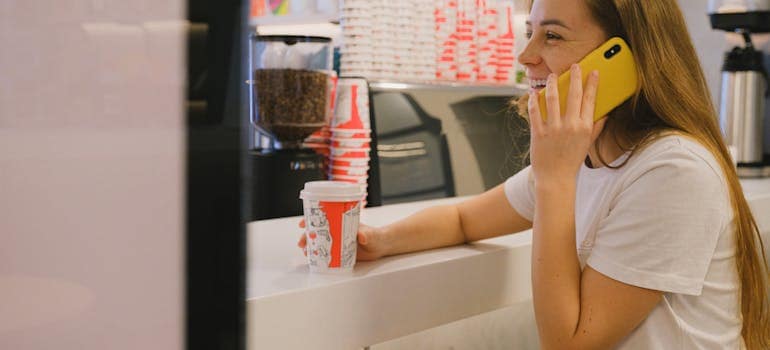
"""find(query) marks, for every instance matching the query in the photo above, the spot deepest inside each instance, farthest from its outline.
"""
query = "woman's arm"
(574, 309)
(484, 216)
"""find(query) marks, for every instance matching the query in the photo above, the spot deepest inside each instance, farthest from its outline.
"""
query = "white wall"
(91, 174)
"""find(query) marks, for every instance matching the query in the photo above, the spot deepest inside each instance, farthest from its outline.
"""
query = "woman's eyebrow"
(546, 22)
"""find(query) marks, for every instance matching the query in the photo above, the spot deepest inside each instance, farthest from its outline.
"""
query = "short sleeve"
(519, 189)
(663, 226)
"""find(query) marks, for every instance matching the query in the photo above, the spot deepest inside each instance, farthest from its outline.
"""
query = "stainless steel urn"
(742, 108)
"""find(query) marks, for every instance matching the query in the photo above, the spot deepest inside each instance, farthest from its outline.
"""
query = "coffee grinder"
(745, 84)
(289, 95)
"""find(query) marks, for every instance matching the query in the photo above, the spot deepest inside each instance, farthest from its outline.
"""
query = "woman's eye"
(548, 35)
(552, 36)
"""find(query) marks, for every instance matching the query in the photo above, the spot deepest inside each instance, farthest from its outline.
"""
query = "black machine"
(289, 80)
(277, 174)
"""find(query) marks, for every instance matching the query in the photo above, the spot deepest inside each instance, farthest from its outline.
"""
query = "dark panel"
(217, 175)
(412, 152)
(498, 136)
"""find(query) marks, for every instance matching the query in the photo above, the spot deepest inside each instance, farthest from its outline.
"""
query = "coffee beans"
(291, 103)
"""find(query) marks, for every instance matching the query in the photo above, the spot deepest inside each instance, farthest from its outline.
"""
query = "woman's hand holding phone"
(560, 144)
(370, 246)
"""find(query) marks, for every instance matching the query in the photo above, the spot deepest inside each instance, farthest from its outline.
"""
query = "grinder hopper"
(289, 86)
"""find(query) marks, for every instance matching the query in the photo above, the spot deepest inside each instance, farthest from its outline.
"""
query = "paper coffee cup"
(360, 181)
(352, 108)
(349, 161)
(351, 133)
(332, 211)
(337, 152)
(349, 170)
(350, 142)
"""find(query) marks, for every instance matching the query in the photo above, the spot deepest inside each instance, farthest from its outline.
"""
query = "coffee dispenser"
(745, 84)
(289, 83)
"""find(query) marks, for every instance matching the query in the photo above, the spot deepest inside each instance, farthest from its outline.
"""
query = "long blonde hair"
(672, 95)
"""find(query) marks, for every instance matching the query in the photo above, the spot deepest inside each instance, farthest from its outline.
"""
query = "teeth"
(537, 83)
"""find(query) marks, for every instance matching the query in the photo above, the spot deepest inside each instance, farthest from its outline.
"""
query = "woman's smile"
(537, 84)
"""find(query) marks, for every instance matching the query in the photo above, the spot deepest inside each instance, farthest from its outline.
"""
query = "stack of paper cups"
(487, 40)
(319, 141)
(505, 73)
(384, 37)
(399, 19)
(351, 133)
(422, 55)
(357, 49)
(445, 18)
(423, 41)
(467, 66)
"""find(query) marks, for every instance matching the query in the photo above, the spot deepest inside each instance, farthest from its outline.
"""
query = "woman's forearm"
(429, 228)
(555, 266)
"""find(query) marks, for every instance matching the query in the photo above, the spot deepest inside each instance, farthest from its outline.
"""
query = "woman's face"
(560, 32)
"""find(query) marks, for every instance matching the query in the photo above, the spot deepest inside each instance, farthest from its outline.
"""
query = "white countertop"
(288, 307)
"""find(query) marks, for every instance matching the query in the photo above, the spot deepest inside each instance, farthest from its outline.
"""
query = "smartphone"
(617, 77)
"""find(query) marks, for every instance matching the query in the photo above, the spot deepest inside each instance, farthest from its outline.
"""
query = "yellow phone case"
(617, 77)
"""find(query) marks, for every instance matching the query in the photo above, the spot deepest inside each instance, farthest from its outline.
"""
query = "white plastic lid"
(333, 191)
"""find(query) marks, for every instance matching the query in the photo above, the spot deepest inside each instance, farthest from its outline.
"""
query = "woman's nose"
(529, 56)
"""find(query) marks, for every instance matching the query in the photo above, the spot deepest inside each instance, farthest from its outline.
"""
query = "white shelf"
(316, 18)
(486, 89)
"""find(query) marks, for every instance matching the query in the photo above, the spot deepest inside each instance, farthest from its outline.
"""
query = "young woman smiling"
(642, 238)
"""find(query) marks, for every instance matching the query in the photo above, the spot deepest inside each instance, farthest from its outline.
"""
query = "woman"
(667, 250)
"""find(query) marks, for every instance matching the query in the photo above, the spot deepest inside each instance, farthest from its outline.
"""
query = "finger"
(533, 108)
(302, 223)
(597, 129)
(362, 239)
(552, 100)
(575, 95)
(589, 97)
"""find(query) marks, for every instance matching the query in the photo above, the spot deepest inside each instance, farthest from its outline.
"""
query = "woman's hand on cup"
(370, 244)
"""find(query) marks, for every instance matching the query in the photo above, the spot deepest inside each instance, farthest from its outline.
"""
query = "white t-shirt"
(663, 221)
